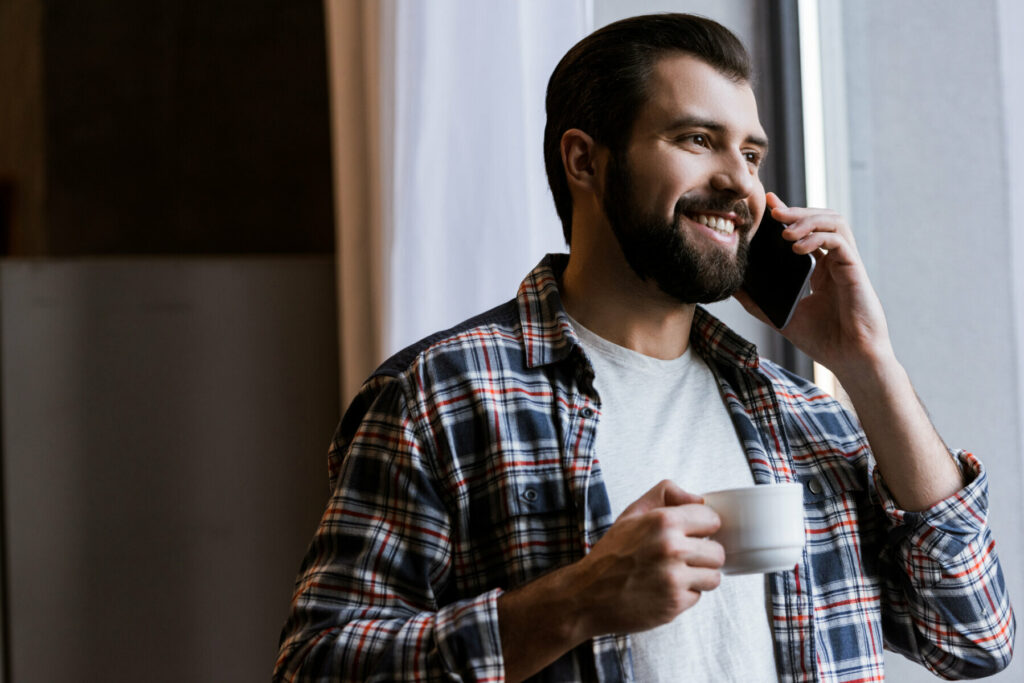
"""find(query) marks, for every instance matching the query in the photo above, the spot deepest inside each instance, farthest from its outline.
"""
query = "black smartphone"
(776, 278)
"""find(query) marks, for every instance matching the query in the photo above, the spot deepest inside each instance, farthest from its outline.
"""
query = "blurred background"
(217, 217)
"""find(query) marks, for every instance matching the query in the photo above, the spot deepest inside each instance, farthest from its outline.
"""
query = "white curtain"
(468, 194)
(441, 198)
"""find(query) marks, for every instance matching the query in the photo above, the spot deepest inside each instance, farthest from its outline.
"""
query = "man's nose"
(734, 174)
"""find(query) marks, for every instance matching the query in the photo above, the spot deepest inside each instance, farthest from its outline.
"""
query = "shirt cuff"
(468, 638)
(941, 532)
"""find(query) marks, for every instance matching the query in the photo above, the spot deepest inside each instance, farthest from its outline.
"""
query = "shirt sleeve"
(370, 600)
(947, 602)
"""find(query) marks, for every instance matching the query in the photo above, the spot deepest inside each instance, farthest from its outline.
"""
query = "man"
(518, 496)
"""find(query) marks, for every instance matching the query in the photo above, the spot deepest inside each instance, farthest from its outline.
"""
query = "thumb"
(774, 202)
(663, 494)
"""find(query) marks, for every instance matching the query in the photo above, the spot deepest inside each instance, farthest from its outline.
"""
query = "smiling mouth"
(722, 226)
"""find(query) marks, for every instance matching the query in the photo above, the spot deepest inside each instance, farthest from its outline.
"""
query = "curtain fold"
(354, 68)
(472, 210)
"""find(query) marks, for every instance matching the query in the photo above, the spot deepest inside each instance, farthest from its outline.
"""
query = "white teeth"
(717, 223)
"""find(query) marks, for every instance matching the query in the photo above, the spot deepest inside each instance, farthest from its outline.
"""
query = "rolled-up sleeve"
(370, 602)
(948, 605)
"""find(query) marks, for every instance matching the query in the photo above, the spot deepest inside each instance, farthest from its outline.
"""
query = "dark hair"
(601, 83)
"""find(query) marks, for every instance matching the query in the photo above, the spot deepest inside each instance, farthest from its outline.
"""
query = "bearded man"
(518, 496)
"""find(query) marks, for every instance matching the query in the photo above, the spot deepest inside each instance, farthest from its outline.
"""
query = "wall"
(170, 126)
(22, 138)
(931, 210)
(1011, 41)
(166, 423)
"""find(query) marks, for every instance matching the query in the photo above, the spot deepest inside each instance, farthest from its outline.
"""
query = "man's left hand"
(841, 323)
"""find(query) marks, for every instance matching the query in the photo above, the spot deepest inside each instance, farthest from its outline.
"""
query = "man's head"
(668, 100)
(601, 83)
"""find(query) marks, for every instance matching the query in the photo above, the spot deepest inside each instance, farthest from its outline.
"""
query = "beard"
(659, 250)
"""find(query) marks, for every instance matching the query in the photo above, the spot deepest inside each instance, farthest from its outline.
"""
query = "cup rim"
(775, 485)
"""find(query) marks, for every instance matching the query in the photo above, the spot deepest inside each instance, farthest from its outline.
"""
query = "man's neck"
(612, 302)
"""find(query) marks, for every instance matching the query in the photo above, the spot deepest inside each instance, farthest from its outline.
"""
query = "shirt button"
(587, 413)
(815, 486)
(530, 495)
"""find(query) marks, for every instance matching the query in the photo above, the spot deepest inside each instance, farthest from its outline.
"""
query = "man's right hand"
(651, 565)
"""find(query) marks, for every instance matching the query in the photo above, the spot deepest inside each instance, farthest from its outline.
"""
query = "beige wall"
(166, 424)
(932, 209)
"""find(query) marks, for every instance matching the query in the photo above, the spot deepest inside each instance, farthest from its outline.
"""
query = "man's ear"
(584, 161)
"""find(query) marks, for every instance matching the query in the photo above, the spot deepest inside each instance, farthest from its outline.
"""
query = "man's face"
(685, 197)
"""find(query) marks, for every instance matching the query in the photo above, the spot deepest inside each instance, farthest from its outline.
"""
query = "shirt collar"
(717, 343)
(549, 336)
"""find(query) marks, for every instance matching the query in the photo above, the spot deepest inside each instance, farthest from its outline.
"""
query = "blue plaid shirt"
(466, 467)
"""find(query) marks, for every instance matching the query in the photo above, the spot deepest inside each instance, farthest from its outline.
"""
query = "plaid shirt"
(466, 467)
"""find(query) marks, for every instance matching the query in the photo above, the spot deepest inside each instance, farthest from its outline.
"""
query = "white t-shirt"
(665, 419)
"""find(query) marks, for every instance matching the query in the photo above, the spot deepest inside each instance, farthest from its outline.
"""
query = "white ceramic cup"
(762, 527)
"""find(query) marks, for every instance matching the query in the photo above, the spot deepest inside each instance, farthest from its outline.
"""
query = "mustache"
(718, 203)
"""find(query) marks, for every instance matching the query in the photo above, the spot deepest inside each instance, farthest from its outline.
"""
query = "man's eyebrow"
(715, 127)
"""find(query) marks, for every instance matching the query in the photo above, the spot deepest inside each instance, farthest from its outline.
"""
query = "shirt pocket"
(841, 527)
(521, 523)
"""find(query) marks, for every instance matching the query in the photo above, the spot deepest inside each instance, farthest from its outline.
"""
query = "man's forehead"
(685, 88)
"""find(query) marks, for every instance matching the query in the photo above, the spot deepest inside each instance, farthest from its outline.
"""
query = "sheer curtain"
(441, 198)
(472, 212)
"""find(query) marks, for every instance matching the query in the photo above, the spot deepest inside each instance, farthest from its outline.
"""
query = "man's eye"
(753, 157)
(697, 139)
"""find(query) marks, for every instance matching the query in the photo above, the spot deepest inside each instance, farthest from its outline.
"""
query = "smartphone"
(776, 278)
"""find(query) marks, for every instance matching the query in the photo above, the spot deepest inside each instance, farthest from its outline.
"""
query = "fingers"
(678, 530)
(704, 553)
(814, 231)
(654, 562)
(815, 239)
(662, 494)
(675, 495)
(685, 585)
(791, 214)
(703, 580)
(800, 223)
(774, 202)
(674, 531)
(683, 521)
